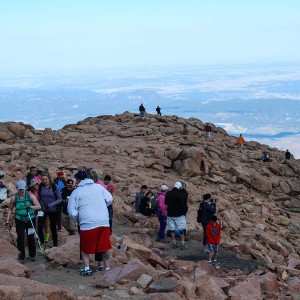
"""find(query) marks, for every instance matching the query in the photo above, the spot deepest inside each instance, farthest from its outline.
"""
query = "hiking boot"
(86, 272)
(183, 247)
(32, 258)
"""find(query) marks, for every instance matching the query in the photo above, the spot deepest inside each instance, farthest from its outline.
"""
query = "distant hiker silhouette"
(158, 110)
(287, 154)
(142, 110)
(207, 130)
(240, 141)
(265, 157)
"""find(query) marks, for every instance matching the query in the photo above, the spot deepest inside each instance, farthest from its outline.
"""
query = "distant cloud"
(75, 106)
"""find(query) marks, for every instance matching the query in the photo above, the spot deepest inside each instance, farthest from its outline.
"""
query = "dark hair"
(148, 193)
(107, 177)
(206, 196)
(144, 187)
(32, 168)
(214, 218)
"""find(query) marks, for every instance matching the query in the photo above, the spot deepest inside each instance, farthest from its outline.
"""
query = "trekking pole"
(35, 233)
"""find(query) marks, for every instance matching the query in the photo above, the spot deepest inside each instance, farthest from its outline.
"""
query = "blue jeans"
(162, 225)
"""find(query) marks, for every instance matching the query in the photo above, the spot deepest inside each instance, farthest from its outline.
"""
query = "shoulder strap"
(54, 190)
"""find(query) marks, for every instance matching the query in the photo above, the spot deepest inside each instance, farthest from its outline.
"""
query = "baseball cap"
(60, 173)
(163, 188)
(178, 185)
(21, 185)
(82, 174)
(70, 182)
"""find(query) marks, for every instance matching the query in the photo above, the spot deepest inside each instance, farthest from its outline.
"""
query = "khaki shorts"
(68, 223)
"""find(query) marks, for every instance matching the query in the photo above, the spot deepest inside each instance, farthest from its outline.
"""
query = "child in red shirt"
(213, 233)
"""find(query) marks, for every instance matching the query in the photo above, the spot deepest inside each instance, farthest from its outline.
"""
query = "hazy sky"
(72, 34)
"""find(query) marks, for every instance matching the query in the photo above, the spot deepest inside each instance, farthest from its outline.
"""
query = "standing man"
(139, 197)
(287, 154)
(240, 141)
(87, 206)
(207, 129)
(142, 110)
(32, 174)
(207, 210)
(158, 109)
(67, 222)
(177, 208)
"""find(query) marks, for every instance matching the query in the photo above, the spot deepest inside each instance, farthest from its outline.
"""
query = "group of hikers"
(84, 205)
(171, 208)
(142, 110)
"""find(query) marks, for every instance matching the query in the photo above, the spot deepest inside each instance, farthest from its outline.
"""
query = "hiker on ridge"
(158, 109)
(287, 154)
(142, 110)
(240, 141)
(207, 129)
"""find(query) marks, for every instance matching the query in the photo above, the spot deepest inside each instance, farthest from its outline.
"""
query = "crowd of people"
(171, 208)
(42, 206)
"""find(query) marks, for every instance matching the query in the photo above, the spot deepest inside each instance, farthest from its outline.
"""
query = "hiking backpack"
(3, 192)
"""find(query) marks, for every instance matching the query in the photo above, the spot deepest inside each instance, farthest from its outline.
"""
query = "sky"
(76, 35)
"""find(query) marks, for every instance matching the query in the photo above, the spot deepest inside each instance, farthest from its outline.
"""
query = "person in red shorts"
(213, 234)
(87, 205)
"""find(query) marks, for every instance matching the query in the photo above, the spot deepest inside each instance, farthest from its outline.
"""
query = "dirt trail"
(68, 278)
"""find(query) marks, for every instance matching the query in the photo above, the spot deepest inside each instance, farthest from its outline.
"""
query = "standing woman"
(49, 197)
(24, 203)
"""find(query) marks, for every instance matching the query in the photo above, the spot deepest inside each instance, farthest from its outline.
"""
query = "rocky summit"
(258, 203)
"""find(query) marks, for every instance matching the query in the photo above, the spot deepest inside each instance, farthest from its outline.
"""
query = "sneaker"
(86, 272)
(21, 261)
(215, 263)
(81, 269)
(108, 268)
(32, 258)
(41, 250)
(210, 262)
(100, 268)
(183, 247)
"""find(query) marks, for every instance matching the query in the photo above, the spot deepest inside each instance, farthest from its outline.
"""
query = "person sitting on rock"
(162, 213)
(139, 196)
(265, 157)
(145, 207)
(177, 208)
(213, 234)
